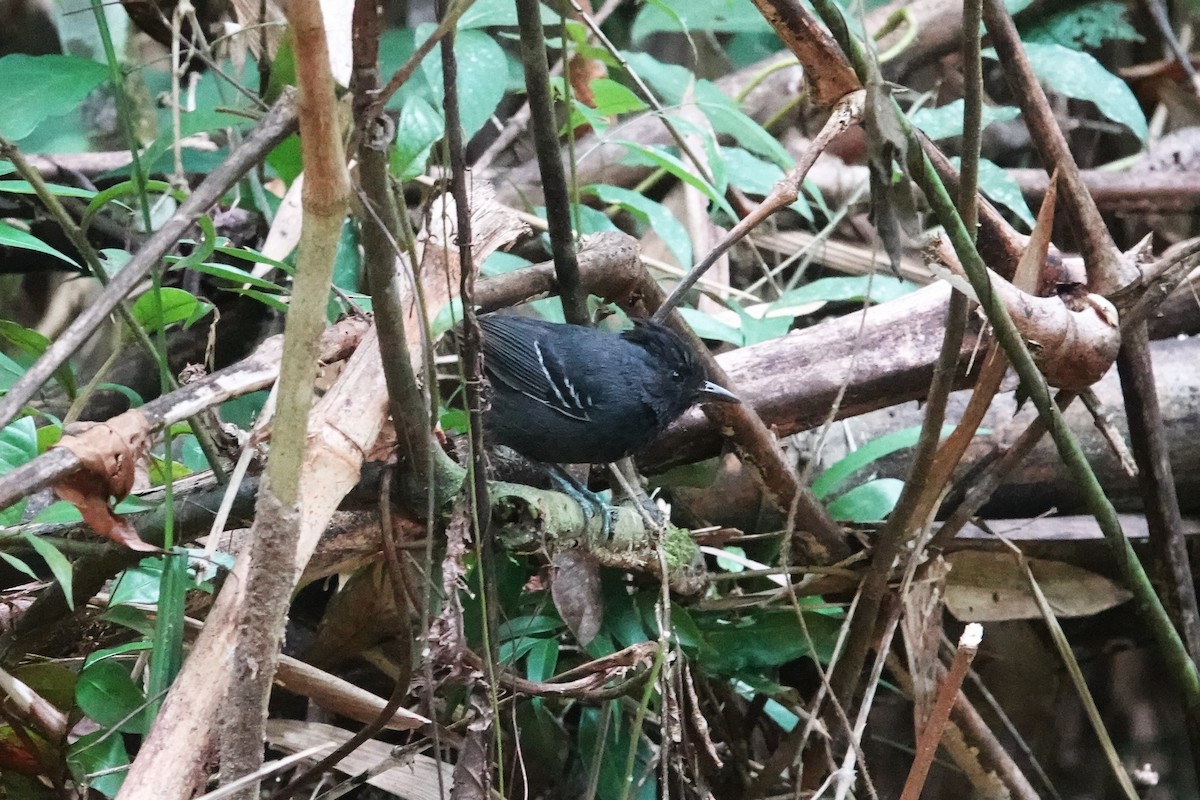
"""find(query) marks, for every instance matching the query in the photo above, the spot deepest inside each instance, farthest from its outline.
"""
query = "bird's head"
(682, 378)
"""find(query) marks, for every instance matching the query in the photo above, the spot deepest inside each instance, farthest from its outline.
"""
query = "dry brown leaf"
(575, 588)
(110, 453)
(991, 587)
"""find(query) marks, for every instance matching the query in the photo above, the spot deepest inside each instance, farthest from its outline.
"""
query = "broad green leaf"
(692, 16)
(107, 694)
(869, 453)
(15, 237)
(541, 660)
(33, 344)
(10, 372)
(101, 754)
(1085, 26)
(1003, 189)
(756, 176)
(177, 305)
(871, 502)
(1082, 77)
(656, 215)
(495, 13)
(660, 157)
(25, 187)
(40, 87)
(707, 327)
(614, 98)
(18, 444)
(59, 566)
(765, 639)
(236, 276)
(498, 263)
(528, 626)
(757, 329)
(675, 85)
(607, 744)
(879, 288)
(946, 121)
(730, 564)
(482, 76)
(58, 513)
(420, 127)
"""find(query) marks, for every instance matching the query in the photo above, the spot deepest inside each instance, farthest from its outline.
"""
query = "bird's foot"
(589, 502)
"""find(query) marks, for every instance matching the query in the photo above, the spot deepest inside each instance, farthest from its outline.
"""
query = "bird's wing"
(520, 354)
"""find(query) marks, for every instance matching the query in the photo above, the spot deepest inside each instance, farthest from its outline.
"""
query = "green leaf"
(750, 173)
(1085, 27)
(659, 157)
(58, 513)
(854, 289)
(541, 660)
(482, 76)
(689, 16)
(493, 13)
(15, 237)
(34, 344)
(946, 121)
(10, 372)
(269, 300)
(708, 327)
(498, 263)
(656, 215)
(765, 640)
(760, 329)
(677, 85)
(529, 625)
(18, 444)
(19, 565)
(236, 276)
(59, 566)
(40, 87)
(1003, 189)
(607, 744)
(1082, 77)
(101, 754)
(25, 187)
(869, 453)
(729, 564)
(107, 694)
(871, 502)
(613, 98)
(420, 127)
(177, 305)
(133, 618)
(167, 655)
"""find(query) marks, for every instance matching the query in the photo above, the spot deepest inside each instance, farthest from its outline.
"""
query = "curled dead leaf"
(575, 588)
(110, 453)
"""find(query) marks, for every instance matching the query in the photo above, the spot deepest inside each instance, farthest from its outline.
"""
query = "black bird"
(566, 394)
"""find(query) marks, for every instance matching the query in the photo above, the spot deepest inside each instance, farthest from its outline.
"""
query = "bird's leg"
(626, 475)
(589, 502)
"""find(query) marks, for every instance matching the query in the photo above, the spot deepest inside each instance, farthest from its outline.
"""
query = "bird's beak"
(711, 393)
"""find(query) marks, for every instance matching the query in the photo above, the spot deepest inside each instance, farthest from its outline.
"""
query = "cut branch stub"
(1074, 337)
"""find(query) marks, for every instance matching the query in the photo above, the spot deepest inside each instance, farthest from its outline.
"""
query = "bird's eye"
(675, 375)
